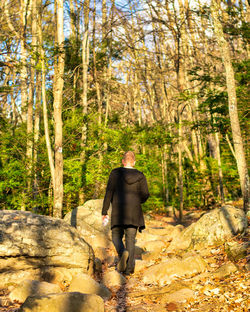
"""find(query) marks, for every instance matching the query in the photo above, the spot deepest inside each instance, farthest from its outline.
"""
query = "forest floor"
(210, 294)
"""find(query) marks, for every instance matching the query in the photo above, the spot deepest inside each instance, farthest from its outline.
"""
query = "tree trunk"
(85, 64)
(29, 150)
(232, 103)
(165, 176)
(221, 188)
(72, 19)
(58, 98)
(180, 170)
(45, 112)
(95, 77)
(23, 56)
(37, 130)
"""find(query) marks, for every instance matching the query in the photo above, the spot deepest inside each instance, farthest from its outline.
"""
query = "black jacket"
(126, 190)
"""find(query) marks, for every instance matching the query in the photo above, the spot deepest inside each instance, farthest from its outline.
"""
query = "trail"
(222, 286)
(200, 292)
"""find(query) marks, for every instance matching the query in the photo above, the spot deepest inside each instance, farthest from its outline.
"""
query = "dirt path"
(209, 293)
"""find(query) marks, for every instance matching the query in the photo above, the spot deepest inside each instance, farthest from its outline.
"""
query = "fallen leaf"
(171, 306)
(215, 291)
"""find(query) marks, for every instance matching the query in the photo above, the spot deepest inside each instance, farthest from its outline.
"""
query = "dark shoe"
(122, 264)
(127, 273)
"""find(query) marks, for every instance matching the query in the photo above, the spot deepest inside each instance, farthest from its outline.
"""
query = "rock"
(98, 240)
(174, 233)
(161, 230)
(212, 228)
(179, 296)
(101, 253)
(163, 234)
(31, 287)
(236, 251)
(87, 219)
(225, 270)
(141, 264)
(150, 255)
(85, 284)
(39, 247)
(113, 279)
(145, 236)
(64, 302)
(154, 246)
(164, 272)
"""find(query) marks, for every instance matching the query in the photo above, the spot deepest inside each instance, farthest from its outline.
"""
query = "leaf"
(215, 291)
(171, 306)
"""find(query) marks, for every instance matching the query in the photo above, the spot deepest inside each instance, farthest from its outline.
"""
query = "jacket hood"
(131, 176)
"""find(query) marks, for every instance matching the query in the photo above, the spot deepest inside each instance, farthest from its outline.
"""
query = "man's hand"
(105, 220)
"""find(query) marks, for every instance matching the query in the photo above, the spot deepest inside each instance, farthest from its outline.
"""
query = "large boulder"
(154, 246)
(86, 284)
(166, 271)
(39, 247)
(113, 279)
(64, 302)
(214, 227)
(87, 219)
(31, 287)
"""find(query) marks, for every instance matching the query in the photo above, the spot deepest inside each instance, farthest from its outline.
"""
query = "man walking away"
(126, 189)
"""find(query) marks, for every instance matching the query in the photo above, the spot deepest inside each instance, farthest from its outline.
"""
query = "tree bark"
(45, 111)
(29, 150)
(232, 104)
(85, 64)
(58, 97)
(23, 56)
(95, 76)
(37, 129)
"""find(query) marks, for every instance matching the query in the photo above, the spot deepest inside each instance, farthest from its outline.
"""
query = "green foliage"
(12, 167)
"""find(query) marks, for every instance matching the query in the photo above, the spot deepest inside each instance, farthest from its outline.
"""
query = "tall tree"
(85, 64)
(29, 150)
(232, 103)
(58, 98)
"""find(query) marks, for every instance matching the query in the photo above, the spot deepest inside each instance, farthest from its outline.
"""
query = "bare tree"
(58, 97)
(85, 64)
(232, 103)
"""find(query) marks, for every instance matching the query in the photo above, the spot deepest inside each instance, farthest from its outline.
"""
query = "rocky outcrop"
(212, 228)
(166, 271)
(87, 219)
(39, 247)
(64, 302)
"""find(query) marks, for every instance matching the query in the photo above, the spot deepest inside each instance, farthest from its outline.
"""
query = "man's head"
(128, 159)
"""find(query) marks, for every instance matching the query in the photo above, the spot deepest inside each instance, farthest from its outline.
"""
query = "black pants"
(117, 236)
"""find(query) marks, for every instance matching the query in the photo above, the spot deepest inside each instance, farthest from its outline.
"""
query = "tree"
(232, 104)
(58, 98)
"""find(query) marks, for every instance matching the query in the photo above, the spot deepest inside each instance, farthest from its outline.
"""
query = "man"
(126, 190)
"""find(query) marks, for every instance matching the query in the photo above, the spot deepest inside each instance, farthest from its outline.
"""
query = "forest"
(82, 82)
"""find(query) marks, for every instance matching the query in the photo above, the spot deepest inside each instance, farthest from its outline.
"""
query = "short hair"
(129, 156)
